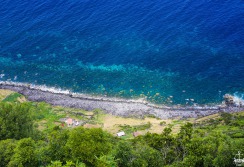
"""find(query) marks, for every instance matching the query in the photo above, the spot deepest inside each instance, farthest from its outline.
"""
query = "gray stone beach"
(118, 107)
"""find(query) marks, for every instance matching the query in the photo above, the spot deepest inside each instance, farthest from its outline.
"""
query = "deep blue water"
(188, 49)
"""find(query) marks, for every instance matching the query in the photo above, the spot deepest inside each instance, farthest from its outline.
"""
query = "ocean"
(167, 52)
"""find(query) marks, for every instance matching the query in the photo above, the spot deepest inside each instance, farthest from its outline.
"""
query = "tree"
(57, 140)
(86, 145)
(24, 154)
(124, 154)
(152, 157)
(55, 164)
(16, 121)
(183, 138)
(213, 149)
(68, 164)
(137, 155)
(226, 117)
(106, 161)
(42, 153)
(165, 143)
(6, 151)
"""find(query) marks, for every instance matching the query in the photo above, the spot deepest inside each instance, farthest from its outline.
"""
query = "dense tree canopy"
(21, 144)
(24, 154)
(16, 121)
(6, 151)
(87, 144)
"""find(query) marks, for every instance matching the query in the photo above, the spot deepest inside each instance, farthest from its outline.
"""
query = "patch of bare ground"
(214, 116)
(42, 125)
(4, 93)
(111, 123)
(22, 99)
(92, 126)
(57, 123)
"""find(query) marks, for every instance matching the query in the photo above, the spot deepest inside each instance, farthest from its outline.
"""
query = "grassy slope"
(4, 93)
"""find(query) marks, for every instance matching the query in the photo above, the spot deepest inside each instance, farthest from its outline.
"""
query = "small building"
(122, 133)
(77, 123)
(72, 122)
(69, 121)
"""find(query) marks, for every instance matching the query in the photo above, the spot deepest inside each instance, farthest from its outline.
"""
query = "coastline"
(116, 106)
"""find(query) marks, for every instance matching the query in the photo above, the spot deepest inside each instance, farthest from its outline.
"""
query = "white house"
(122, 133)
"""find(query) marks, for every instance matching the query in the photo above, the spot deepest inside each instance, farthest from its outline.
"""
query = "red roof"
(69, 121)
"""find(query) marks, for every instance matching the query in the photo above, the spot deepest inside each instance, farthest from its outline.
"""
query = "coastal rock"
(229, 100)
(233, 101)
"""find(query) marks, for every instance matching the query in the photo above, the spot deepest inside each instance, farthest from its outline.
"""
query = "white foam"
(2, 75)
(238, 99)
(56, 90)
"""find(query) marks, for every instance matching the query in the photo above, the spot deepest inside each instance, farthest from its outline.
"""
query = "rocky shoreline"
(116, 106)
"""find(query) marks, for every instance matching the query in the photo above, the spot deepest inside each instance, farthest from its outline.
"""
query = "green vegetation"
(13, 97)
(16, 121)
(31, 134)
(162, 123)
(130, 129)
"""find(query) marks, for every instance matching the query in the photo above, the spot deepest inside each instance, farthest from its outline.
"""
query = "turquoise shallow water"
(165, 51)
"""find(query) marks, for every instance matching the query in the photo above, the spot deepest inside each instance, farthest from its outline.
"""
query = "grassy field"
(4, 93)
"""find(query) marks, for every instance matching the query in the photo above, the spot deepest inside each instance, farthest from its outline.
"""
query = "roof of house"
(121, 133)
(69, 121)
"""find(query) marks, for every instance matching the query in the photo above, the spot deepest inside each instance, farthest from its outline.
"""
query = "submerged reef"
(121, 107)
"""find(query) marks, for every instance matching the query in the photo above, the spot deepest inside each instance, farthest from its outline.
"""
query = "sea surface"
(166, 51)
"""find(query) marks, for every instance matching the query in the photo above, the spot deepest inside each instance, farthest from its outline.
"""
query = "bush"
(226, 117)
(162, 123)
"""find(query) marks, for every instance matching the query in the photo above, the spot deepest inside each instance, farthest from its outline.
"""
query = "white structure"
(122, 133)
(77, 123)
(238, 161)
